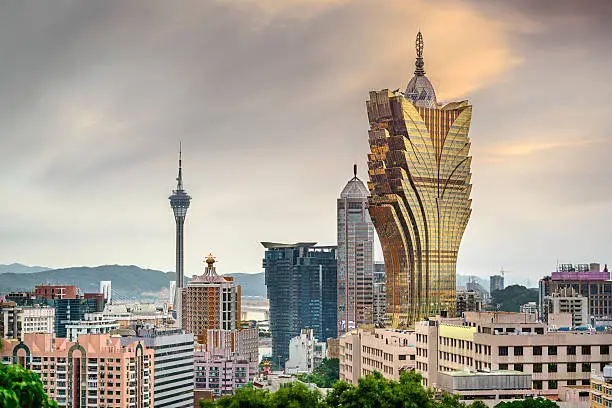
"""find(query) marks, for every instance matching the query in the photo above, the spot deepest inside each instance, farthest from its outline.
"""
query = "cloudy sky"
(268, 99)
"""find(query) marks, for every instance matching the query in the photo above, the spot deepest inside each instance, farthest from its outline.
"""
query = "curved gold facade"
(419, 169)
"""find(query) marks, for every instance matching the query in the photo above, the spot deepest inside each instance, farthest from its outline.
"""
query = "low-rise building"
(601, 389)
(305, 353)
(366, 350)
(529, 308)
(94, 323)
(491, 341)
(96, 371)
(491, 386)
(468, 301)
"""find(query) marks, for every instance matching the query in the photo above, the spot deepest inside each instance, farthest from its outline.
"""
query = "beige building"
(487, 386)
(601, 389)
(489, 341)
(96, 371)
(366, 350)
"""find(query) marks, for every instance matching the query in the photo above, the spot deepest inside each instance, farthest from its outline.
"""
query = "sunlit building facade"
(419, 169)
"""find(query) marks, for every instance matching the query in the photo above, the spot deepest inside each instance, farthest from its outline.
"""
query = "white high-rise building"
(173, 365)
(355, 257)
(172, 293)
(105, 289)
(305, 353)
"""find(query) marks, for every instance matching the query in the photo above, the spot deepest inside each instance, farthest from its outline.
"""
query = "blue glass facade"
(301, 280)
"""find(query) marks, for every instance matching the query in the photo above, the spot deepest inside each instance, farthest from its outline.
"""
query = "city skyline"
(92, 136)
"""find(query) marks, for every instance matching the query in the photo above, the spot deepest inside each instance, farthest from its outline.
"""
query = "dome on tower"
(420, 91)
(355, 188)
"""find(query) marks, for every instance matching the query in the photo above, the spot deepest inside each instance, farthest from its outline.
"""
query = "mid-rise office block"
(567, 302)
(52, 292)
(301, 281)
(492, 341)
(69, 311)
(366, 350)
(93, 323)
(355, 257)
(587, 280)
(173, 377)
(96, 371)
(468, 301)
(15, 320)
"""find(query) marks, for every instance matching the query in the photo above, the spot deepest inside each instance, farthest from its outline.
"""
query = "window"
(552, 384)
(402, 357)
(537, 368)
(604, 349)
(586, 367)
(586, 382)
(571, 367)
(537, 385)
(503, 351)
(537, 350)
(571, 382)
(518, 367)
(552, 368)
(503, 366)
(518, 351)
(586, 350)
(571, 350)
(552, 350)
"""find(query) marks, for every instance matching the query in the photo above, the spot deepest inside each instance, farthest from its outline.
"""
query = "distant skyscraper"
(179, 201)
(105, 289)
(209, 302)
(496, 283)
(419, 170)
(355, 257)
(302, 288)
(172, 292)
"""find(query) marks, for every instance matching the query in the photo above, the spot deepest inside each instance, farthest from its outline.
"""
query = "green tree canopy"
(512, 297)
(325, 375)
(21, 388)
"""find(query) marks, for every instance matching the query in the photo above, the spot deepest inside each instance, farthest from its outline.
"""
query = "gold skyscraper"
(419, 169)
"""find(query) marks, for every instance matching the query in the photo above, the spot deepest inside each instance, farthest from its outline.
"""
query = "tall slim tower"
(419, 169)
(355, 257)
(179, 201)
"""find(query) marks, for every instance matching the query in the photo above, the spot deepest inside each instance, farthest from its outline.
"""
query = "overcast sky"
(268, 98)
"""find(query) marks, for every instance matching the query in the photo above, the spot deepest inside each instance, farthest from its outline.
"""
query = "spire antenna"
(355, 170)
(420, 64)
(179, 179)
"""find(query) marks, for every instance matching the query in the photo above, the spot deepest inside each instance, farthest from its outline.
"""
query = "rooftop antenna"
(355, 170)
(420, 71)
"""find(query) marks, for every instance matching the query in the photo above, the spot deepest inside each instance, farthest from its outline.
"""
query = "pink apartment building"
(96, 371)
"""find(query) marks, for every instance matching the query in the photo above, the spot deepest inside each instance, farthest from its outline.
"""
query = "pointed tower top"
(420, 64)
(355, 170)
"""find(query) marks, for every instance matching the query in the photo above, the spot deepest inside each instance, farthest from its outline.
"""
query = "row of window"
(552, 350)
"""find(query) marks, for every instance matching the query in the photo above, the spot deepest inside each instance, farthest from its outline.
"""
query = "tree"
(21, 388)
(512, 297)
(529, 403)
(292, 395)
(325, 375)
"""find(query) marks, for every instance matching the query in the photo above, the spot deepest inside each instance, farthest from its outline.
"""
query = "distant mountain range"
(129, 282)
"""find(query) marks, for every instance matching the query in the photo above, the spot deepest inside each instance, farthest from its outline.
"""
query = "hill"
(19, 268)
(512, 297)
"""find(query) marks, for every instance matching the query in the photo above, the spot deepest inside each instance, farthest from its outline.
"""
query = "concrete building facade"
(490, 341)
(222, 372)
(18, 320)
(96, 371)
(366, 350)
(93, 323)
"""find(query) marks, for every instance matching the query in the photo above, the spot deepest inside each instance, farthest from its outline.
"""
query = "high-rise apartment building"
(379, 294)
(355, 257)
(210, 301)
(301, 281)
(419, 169)
(173, 375)
(15, 320)
(496, 282)
(306, 353)
(96, 371)
(179, 201)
